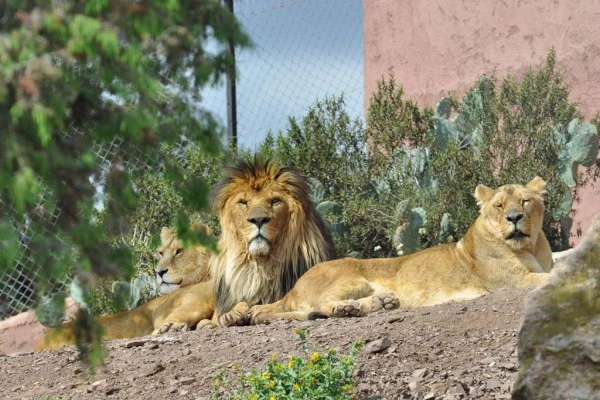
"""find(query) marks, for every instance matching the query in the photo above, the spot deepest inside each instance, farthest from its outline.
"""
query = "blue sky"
(304, 50)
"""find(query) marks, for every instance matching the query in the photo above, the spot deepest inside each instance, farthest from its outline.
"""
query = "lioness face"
(259, 216)
(513, 213)
(178, 266)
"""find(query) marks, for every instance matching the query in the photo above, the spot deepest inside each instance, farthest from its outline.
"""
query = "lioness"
(271, 235)
(505, 247)
(178, 310)
(179, 267)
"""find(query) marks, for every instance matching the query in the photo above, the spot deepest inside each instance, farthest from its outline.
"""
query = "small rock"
(457, 390)
(378, 345)
(487, 360)
(414, 386)
(363, 387)
(508, 365)
(420, 373)
(186, 380)
(492, 384)
(429, 396)
(395, 319)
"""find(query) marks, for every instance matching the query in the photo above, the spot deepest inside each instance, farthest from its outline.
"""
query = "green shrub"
(313, 375)
(413, 172)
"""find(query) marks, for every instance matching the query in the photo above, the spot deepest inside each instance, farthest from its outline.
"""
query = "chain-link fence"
(304, 50)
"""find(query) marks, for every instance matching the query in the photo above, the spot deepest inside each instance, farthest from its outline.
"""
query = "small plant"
(310, 376)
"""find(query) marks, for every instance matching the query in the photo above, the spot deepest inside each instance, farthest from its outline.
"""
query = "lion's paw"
(347, 308)
(206, 324)
(235, 317)
(384, 301)
(171, 327)
(258, 316)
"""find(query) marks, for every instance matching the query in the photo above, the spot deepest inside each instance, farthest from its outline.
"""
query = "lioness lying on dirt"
(183, 273)
(505, 247)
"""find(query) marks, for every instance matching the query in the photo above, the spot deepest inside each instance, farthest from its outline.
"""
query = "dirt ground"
(452, 351)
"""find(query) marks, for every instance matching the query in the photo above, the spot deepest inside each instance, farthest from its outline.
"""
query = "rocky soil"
(453, 351)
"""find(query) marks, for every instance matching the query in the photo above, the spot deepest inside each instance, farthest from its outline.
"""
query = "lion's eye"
(178, 252)
(243, 202)
(499, 205)
(275, 201)
(525, 201)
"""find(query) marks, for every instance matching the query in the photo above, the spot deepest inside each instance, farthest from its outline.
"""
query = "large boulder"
(559, 342)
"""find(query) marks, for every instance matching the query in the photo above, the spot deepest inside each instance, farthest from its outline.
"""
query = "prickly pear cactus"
(130, 295)
(332, 213)
(446, 233)
(580, 143)
(317, 191)
(51, 310)
(407, 237)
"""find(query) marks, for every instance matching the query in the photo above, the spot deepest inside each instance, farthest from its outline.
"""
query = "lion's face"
(513, 213)
(259, 217)
(178, 266)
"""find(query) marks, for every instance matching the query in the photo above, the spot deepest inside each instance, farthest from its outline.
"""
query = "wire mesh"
(304, 50)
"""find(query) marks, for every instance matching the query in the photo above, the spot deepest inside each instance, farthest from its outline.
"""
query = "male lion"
(271, 235)
(178, 267)
(505, 247)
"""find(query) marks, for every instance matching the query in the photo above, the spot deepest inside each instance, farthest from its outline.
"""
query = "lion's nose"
(259, 221)
(514, 216)
(161, 272)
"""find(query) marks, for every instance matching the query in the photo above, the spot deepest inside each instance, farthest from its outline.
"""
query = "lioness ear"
(483, 194)
(165, 233)
(537, 185)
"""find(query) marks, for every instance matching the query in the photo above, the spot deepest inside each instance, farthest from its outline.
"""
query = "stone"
(378, 345)
(559, 341)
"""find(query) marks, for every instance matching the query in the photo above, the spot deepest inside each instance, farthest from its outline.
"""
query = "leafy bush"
(310, 376)
(413, 172)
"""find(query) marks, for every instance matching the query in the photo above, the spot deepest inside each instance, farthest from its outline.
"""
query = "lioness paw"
(171, 327)
(347, 308)
(384, 301)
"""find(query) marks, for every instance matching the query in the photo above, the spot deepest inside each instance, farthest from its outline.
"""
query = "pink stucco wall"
(437, 46)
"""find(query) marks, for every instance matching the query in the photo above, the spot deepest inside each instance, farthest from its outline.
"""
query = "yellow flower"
(345, 388)
(296, 387)
(290, 364)
(272, 398)
(217, 383)
(315, 357)
(297, 331)
(266, 375)
(273, 356)
(272, 384)
(234, 366)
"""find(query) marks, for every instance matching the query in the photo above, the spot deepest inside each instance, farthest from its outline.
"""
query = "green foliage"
(406, 181)
(310, 376)
(76, 77)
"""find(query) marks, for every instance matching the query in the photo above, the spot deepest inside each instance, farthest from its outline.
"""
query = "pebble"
(378, 345)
